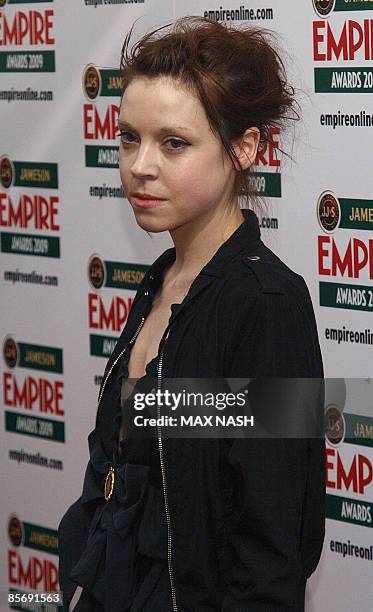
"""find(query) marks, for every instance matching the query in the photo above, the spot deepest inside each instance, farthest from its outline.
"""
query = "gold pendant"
(109, 484)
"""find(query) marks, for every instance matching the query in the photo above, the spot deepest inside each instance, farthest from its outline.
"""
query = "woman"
(216, 523)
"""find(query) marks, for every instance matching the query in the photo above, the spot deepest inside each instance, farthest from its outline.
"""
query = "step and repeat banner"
(72, 256)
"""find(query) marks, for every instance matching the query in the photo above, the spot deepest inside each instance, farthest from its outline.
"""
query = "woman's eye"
(129, 138)
(181, 143)
(124, 136)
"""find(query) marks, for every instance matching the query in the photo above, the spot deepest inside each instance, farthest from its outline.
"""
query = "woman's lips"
(142, 203)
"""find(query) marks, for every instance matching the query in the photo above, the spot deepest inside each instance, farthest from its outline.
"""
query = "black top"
(124, 564)
(246, 519)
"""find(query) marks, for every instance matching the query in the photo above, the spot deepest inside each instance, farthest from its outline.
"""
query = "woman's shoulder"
(269, 317)
(259, 272)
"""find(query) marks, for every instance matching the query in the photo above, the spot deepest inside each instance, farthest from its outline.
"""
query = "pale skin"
(191, 170)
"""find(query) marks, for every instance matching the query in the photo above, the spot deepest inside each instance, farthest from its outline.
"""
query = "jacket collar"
(245, 238)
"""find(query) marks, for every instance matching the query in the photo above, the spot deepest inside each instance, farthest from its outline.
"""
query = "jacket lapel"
(245, 238)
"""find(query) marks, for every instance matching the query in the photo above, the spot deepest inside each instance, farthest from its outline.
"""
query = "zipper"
(161, 457)
(164, 483)
(110, 476)
(118, 357)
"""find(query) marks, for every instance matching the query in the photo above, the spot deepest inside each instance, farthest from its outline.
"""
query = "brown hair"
(237, 74)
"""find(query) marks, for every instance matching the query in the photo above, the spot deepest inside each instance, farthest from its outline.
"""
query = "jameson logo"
(15, 531)
(33, 356)
(6, 172)
(115, 274)
(345, 213)
(91, 82)
(324, 8)
(26, 28)
(40, 538)
(338, 45)
(10, 352)
(101, 82)
(101, 125)
(43, 175)
(359, 430)
(335, 426)
(32, 536)
(328, 212)
(96, 272)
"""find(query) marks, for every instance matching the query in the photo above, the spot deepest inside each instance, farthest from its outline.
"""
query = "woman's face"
(168, 151)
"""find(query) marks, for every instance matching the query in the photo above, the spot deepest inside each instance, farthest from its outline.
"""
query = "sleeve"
(277, 531)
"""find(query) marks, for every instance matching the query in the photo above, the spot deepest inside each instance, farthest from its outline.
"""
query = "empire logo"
(353, 476)
(263, 182)
(27, 28)
(33, 573)
(353, 260)
(351, 42)
(32, 394)
(101, 124)
(112, 315)
(34, 211)
(357, 477)
(345, 471)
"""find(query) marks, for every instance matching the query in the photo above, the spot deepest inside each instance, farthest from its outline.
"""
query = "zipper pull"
(109, 484)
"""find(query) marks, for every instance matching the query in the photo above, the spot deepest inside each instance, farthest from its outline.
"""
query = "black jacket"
(246, 516)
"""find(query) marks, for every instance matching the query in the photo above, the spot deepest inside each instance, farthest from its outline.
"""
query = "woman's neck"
(197, 242)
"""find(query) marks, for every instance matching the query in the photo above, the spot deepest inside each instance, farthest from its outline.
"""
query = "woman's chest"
(146, 346)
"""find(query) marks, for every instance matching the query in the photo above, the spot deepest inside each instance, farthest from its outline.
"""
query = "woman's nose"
(145, 162)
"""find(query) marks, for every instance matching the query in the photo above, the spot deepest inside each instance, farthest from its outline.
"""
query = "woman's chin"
(149, 223)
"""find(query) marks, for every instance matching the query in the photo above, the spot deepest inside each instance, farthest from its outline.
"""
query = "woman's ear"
(246, 147)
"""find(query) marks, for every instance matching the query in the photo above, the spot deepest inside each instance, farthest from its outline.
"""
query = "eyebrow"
(162, 130)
